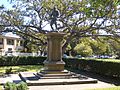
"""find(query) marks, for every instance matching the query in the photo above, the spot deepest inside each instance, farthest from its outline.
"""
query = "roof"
(11, 35)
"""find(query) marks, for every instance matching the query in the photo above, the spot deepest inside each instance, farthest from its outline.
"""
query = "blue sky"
(5, 3)
(8, 5)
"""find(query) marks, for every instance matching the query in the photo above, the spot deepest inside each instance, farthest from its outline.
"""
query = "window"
(21, 43)
(9, 50)
(10, 41)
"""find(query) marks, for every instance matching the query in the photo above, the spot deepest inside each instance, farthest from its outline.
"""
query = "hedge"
(29, 60)
(110, 68)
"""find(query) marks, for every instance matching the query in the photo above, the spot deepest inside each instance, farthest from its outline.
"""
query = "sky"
(6, 4)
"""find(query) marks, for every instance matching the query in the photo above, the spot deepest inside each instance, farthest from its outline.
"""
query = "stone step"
(54, 72)
(54, 75)
(58, 76)
(60, 82)
(33, 80)
(28, 76)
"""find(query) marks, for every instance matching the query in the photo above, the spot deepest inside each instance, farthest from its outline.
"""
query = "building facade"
(10, 43)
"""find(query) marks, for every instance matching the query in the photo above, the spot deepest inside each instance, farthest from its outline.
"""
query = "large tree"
(78, 18)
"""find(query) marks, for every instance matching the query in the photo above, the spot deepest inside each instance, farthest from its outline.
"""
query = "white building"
(10, 43)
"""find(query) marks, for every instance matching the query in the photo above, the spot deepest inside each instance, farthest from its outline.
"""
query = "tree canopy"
(78, 18)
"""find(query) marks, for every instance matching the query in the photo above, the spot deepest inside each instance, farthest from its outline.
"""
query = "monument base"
(53, 72)
(39, 79)
(54, 65)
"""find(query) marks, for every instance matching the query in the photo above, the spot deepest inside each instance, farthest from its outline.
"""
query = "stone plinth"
(32, 79)
(53, 72)
(54, 62)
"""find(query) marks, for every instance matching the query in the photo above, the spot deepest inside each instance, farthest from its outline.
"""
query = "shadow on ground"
(107, 79)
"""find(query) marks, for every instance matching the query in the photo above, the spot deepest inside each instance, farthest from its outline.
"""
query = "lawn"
(109, 60)
(15, 69)
(0, 87)
(113, 88)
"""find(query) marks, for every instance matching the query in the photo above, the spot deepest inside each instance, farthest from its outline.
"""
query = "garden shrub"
(13, 86)
(8, 71)
(109, 68)
(28, 60)
(22, 86)
(10, 86)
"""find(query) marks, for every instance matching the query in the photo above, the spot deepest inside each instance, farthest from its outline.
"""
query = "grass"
(109, 60)
(112, 88)
(15, 69)
(0, 87)
(106, 60)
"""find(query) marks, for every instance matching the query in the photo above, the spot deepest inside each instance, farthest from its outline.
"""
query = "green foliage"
(98, 47)
(83, 50)
(21, 68)
(10, 86)
(103, 67)
(8, 71)
(22, 86)
(78, 18)
(115, 45)
(95, 46)
(12, 61)
(13, 86)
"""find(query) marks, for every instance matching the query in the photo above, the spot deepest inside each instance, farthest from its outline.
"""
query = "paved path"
(73, 87)
(103, 82)
(10, 78)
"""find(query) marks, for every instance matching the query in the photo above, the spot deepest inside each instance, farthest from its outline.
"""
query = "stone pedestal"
(53, 72)
(54, 62)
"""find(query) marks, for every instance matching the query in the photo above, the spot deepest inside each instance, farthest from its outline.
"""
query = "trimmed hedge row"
(109, 68)
(12, 61)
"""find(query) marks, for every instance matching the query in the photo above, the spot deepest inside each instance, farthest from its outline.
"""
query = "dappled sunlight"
(0, 87)
(112, 88)
(16, 69)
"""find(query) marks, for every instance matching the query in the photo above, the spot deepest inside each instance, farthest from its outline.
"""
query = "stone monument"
(54, 62)
(53, 16)
(54, 65)
(53, 72)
